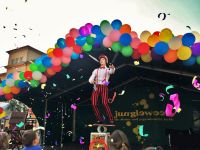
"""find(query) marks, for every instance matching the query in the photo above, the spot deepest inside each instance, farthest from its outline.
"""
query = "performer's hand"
(93, 82)
(111, 66)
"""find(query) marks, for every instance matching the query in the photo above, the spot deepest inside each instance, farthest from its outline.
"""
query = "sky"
(40, 23)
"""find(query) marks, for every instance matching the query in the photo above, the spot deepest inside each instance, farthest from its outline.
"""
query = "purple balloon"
(89, 27)
(84, 31)
(155, 56)
(196, 49)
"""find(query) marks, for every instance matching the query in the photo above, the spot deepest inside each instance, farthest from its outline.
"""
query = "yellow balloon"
(175, 43)
(2, 115)
(6, 90)
(165, 35)
(197, 36)
(144, 36)
(135, 130)
(50, 50)
(152, 40)
(146, 58)
(184, 53)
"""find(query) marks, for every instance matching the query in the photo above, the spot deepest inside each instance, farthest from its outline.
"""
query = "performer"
(99, 79)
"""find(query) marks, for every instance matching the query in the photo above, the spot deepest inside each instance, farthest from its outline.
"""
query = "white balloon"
(10, 82)
(37, 75)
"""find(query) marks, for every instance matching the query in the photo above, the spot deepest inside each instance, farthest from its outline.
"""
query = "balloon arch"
(117, 36)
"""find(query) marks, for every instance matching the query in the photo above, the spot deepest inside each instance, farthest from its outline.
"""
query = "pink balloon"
(135, 43)
(1, 91)
(114, 35)
(67, 51)
(66, 60)
(56, 61)
(107, 42)
(43, 79)
(16, 75)
(133, 34)
(74, 33)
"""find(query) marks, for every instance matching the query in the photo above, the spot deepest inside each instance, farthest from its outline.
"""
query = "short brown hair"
(28, 137)
(4, 145)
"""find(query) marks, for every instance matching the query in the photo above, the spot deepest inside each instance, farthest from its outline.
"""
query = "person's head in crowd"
(118, 141)
(30, 138)
(4, 141)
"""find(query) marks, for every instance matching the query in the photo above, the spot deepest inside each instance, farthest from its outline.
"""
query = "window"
(21, 59)
(12, 61)
(17, 60)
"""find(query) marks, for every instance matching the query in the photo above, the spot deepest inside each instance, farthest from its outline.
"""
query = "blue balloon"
(3, 83)
(99, 39)
(38, 61)
(188, 39)
(116, 24)
(47, 62)
(80, 40)
(191, 61)
(74, 56)
(10, 76)
(22, 84)
(61, 43)
(161, 48)
(96, 29)
(125, 39)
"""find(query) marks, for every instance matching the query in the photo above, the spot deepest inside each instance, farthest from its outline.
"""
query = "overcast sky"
(40, 23)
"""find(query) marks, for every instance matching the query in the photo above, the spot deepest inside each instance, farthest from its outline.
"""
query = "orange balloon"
(51, 72)
(171, 56)
(152, 40)
(125, 29)
(15, 90)
(50, 52)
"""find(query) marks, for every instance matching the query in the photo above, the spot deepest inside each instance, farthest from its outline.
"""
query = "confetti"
(141, 131)
(78, 99)
(162, 95)
(69, 133)
(20, 125)
(73, 106)
(81, 56)
(73, 79)
(169, 87)
(54, 85)
(81, 77)
(14, 28)
(195, 83)
(122, 93)
(163, 15)
(47, 116)
(24, 36)
(68, 76)
(81, 140)
(4, 27)
(136, 63)
(43, 86)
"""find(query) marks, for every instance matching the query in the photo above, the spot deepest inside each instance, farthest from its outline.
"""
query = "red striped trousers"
(101, 90)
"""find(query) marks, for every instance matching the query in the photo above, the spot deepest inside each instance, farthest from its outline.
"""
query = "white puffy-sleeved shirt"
(100, 75)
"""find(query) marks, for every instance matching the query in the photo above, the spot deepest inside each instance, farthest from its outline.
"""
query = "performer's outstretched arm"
(92, 77)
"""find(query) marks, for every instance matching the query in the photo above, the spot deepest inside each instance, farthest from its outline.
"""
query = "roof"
(27, 46)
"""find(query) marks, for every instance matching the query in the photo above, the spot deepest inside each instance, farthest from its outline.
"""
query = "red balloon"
(56, 68)
(9, 96)
(57, 52)
(77, 49)
(1, 110)
(156, 33)
(70, 41)
(28, 75)
(136, 54)
(143, 48)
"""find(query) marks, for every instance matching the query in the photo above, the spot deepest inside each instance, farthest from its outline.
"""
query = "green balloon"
(198, 60)
(0, 85)
(127, 51)
(116, 47)
(90, 40)
(87, 47)
(34, 83)
(41, 68)
(33, 67)
(21, 75)
(56, 45)
(17, 82)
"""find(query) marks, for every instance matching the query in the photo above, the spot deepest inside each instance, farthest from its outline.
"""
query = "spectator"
(31, 140)
(118, 141)
(4, 144)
